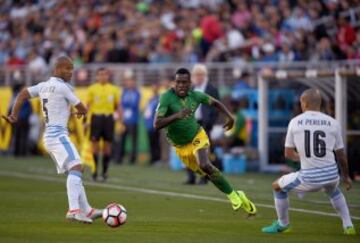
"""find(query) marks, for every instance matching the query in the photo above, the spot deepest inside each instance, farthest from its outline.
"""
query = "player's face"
(66, 70)
(102, 76)
(182, 84)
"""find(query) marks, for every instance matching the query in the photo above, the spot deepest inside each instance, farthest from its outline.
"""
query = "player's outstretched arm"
(161, 122)
(20, 99)
(221, 107)
(344, 169)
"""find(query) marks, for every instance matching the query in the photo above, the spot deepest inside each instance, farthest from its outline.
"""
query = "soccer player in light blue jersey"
(314, 139)
(56, 97)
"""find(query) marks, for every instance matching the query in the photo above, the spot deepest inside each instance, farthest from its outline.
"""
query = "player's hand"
(229, 123)
(347, 182)
(11, 118)
(79, 114)
(185, 113)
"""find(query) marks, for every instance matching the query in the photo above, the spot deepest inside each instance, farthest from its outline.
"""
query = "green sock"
(220, 182)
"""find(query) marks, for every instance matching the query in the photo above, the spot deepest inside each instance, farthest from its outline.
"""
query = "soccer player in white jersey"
(314, 139)
(56, 96)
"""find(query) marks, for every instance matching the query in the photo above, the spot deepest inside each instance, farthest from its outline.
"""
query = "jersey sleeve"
(34, 90)
(339, 143)
(162, 107)
(203, 98)
(289, 141)
(70, 96)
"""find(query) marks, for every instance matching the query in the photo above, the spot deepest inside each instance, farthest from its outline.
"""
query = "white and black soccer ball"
(114, 215)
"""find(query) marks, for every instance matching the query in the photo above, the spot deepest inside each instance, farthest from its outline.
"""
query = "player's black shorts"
(102, 126)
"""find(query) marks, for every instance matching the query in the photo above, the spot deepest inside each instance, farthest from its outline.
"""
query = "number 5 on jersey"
(45, 110)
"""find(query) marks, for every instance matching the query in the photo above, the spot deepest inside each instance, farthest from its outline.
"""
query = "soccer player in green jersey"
(176, 111)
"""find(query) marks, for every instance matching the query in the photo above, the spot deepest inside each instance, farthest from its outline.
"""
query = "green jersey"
(181, 131)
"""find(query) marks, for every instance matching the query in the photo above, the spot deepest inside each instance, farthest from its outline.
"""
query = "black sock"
(96, 160)
(106, 161)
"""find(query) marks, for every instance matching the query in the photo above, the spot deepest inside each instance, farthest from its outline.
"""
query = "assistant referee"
(103, 98)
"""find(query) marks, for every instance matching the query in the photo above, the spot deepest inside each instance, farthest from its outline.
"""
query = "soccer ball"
(114, 215)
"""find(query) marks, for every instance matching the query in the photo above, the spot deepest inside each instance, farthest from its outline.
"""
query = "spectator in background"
(205, 115)
(130, 100)
(22, 126)
(286, 54)
(153, 134)
(37, 64)
(345, 35)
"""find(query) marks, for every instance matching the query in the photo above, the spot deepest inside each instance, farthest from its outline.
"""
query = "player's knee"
(275, 186)
(77, 167)
(207, 168)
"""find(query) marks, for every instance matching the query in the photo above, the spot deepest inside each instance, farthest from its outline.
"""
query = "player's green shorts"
(187, 153)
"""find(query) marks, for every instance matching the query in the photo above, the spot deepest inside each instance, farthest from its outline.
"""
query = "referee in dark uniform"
(103, 98)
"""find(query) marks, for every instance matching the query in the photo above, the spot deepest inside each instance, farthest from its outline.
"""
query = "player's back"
(315, 136)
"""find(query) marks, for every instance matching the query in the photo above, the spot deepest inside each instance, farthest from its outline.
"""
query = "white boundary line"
(157, 192)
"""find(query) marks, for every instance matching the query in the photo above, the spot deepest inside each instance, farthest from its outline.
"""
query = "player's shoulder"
(168, 94)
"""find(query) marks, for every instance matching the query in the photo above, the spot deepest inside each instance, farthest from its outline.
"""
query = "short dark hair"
(183, 71)
(101, 69)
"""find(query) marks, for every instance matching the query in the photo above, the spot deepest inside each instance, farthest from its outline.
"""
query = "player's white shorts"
(63, 152)
(293, 182)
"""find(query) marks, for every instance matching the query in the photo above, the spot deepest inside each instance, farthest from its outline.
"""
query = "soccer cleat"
(95, 214)
(77, 215)
(349, 231)
(247, 205)
(276, 228)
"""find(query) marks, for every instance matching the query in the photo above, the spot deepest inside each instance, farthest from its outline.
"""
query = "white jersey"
(56, 96)
(315, 136)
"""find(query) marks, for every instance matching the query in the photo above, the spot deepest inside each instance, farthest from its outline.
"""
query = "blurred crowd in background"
(35, 32)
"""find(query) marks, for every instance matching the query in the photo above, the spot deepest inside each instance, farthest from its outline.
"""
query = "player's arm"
(20, 99)
(221, 107)
(81, 110)
(344, 169)
(292, 154)
(162, 120)
(341, 158)
(290, 148)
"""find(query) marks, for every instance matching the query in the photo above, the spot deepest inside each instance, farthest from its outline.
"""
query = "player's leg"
(338, 201)
(95, 151)
(108, 138)
(281, 187)
(237, 198)
(79, 207)
(122, 145)
(68, 159)
(106, 159)
(95, 131)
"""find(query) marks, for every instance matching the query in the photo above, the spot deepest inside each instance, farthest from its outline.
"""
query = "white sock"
(282, 207)
(339, 203)
(73, 185)
(84, 204)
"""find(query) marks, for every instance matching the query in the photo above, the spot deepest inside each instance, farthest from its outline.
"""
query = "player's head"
(102, 75)
(63, 68)
(182, 82)
(199, 74)
(310, 100)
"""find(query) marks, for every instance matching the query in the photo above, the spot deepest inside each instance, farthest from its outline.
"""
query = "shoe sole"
(78, 221)
(281, 232)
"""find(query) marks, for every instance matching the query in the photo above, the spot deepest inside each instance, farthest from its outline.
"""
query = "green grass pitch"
(160, 209)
